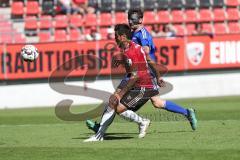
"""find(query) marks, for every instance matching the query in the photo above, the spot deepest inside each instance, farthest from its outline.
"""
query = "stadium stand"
(220, 28)
(218, 3)
(217, 16)
(233, 14)
(45, 22)
(191, 16)
(205, 15)
(106, 19)
(150, 5)
(4, 3)
(176, 4)
(61, 22)
(190, 4)
(76, 20)
(135, 4)
(190, 28)
(205, 3)
(75, 35)
(232, 3)
(162, 5)
(177, 16)
(149, 17)
(106, 5)
(44, 36)
(48, 7)
(17, 9)
(91, 20)
(234, 27)
(120, 5)
(163, 17)
(32, 8)
(120, 17)
(60, 35)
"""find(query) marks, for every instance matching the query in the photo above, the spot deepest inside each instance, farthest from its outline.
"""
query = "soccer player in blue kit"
(142, 37)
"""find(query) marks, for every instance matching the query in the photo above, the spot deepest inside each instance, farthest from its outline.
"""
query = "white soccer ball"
(29, 53)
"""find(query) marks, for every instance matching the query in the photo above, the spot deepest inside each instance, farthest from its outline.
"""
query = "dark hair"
(139, 12)
(122, 29)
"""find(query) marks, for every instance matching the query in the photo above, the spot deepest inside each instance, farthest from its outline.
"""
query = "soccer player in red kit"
(139, 88)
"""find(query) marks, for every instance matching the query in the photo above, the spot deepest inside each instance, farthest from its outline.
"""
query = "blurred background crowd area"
(34, 21)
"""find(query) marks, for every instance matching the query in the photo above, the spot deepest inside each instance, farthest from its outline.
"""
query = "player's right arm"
(119, 93)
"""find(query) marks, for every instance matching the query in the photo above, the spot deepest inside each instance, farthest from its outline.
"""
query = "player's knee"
(120, 108)
(157, 103)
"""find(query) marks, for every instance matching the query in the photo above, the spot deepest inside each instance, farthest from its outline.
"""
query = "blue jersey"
(144, 38)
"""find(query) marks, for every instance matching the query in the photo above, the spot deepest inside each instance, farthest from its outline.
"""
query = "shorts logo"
(129, 97)
(195, 52)
(129, 62)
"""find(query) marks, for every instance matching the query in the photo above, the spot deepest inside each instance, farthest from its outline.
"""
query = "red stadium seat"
(149, 17)
(76, 20)
(219, 14)
(234, 3)
(91, 19)
(5, 24)
(220, 28)
(6, 38)
(148, 27)
(106, 19)
(191, 16)
(32, 8)
(190, 29)
(205, 15)
(19, 38)
(180, 30)
(120, 17)
(104, 33)
(6, 29)
(45, 22)
(17, 9)
(61, 22)
(234, 27)
(177, 16)
(233, 14)
(44, 36)
(207, 27)
(75, 35)
(60, 35)
(31, 23)
(163, 17)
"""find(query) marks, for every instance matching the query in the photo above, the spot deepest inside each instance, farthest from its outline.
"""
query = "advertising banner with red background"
(177, 54)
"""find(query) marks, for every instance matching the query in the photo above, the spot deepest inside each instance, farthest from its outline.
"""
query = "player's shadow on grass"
(163, 132)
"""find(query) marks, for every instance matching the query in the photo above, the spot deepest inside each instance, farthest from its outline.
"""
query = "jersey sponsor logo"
(144, 33)
(129, 62)
(195, 52)
(225, 52)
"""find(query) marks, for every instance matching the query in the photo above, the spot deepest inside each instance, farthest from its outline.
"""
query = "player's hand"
(114, 100)
(161, 82)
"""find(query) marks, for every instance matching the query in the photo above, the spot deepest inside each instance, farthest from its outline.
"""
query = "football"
(29, 53)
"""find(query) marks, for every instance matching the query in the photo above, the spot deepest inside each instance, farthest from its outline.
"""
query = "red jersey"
(136, 60)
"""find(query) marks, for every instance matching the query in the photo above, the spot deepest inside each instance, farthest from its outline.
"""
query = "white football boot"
(143, 128)
(93, 139)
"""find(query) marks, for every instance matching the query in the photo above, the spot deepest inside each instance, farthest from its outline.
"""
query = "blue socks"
(172, 107)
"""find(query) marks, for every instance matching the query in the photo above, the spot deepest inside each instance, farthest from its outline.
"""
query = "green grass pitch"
(36, 134)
